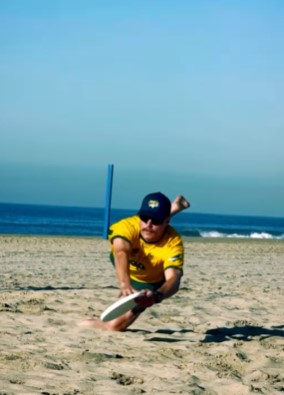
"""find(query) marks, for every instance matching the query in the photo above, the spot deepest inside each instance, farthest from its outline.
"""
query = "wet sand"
(223, 333)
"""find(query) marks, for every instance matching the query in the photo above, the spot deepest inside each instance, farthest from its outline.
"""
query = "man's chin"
(149, 236)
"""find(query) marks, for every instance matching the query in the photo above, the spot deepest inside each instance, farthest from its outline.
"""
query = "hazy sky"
(181, 96)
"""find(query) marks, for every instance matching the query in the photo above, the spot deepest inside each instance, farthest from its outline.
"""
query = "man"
(148, 255)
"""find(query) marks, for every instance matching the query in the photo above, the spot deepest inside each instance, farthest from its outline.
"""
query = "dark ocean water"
(81, 221)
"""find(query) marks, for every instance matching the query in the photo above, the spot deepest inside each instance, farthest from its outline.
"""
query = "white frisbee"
(120, 307)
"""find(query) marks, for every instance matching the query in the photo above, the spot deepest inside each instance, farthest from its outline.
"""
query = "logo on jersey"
(137, 265)
(175, 258)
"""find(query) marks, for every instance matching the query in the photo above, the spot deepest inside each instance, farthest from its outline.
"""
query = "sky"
(183, 97)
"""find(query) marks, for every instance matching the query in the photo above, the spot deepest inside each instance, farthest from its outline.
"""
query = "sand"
(223, 333)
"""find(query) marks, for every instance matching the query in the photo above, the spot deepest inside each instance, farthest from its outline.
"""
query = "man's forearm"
(122, 273)
(169, 288)
(122, 267)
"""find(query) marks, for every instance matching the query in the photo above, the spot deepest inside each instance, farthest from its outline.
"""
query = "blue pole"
(108, 200)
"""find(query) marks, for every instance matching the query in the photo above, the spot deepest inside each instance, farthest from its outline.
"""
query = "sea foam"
(253, 235)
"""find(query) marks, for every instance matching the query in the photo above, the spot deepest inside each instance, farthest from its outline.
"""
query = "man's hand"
(169, 288)
(126, 289)
(149, 298)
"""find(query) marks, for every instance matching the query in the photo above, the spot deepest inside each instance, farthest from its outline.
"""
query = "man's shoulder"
(172, 238)
(126, 228)
(172, 232)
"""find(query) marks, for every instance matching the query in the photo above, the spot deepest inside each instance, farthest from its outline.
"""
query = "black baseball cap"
(155, 205)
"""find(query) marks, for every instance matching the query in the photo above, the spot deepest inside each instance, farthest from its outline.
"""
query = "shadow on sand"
(164, 332)
(47, 288)
(216, 335)
(245, 333)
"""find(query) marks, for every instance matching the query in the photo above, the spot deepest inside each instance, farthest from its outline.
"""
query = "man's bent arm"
(172, 283)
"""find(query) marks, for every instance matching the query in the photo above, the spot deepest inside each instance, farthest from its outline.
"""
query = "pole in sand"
(108, 200)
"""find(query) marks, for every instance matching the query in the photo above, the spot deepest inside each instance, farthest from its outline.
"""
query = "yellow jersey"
(148, 261)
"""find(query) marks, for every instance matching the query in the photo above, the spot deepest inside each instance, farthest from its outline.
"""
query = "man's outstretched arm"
(121, 249)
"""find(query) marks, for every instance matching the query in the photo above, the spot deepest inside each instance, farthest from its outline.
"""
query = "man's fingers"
(145, 301)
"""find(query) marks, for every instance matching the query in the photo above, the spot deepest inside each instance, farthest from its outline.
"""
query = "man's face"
(152, 230)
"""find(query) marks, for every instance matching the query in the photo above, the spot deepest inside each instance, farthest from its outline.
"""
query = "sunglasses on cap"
(155, 221)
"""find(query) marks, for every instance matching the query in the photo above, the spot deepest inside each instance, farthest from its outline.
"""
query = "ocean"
(23, 219)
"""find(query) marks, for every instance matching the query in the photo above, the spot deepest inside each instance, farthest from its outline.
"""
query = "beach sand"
(223, 333)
